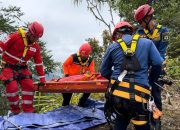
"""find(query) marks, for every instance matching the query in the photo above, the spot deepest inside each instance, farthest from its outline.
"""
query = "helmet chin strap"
(147, 23)
(28, 39)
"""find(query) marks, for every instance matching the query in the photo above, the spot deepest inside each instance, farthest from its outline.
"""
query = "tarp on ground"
(64, 118)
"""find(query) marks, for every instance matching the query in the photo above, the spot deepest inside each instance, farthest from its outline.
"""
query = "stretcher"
(95, 86)
(75, 84)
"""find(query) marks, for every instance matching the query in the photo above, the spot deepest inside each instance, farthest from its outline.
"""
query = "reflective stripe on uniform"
(27, 101)
(123, 91)
(11, 94)
(39, 64)
(41, 76)
(1, 49)
(27, 93)
(16, 58)
(136, 122)
(14, 103)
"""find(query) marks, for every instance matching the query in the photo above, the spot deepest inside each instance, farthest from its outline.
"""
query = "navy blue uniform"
(145, 52)
(161, 43)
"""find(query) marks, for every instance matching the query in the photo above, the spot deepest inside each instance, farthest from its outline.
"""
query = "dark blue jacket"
(145, 51)
(161, 44)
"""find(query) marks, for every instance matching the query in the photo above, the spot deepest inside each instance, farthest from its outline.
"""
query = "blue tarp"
(64, 118)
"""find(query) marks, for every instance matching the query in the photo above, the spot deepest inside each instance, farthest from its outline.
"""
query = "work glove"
(66, 75)
(41, 84)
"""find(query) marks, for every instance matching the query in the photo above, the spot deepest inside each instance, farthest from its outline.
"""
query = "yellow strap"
(126, 95)
(21, 31)
(136, 122)
(136, 87)
(82, 64)
(123, 45)
(133, 44)
(39, 100)
(156, 30)
(80, 60)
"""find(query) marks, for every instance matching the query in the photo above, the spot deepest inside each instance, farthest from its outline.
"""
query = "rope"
(6, 120)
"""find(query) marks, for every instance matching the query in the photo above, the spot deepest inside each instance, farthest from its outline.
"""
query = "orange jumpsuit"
(74, 65)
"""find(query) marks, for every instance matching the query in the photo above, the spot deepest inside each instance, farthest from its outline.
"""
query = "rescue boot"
(66, 98)
(83, 99)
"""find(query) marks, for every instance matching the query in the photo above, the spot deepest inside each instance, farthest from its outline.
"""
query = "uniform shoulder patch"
(165, 36)
(32, 49)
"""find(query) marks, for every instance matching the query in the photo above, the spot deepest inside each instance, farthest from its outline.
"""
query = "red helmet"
(143, 11)
(36, 29)
(85, 50)
(120, 25)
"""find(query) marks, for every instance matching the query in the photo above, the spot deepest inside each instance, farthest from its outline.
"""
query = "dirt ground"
(171, 110)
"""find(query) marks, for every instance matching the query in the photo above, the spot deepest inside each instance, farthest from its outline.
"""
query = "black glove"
(154, 74)
(66, 75)
(41, 84)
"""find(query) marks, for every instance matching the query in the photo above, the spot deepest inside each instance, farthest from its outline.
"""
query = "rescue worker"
(17, 50)
(160, 36)
(75, 64)
(129, 90)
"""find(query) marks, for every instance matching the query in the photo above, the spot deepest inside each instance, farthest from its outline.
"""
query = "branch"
(110, 10)
(98, 16)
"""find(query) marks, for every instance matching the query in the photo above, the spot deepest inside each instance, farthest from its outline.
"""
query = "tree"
(9, 18)
(9, 22)
(166, 13)
(94, 6)
(48, 62)
(96, 52)
(106, 36)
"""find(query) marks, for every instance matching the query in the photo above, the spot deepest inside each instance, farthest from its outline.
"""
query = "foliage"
(106, 36)
(96, 52)
(47, 102)
(9, 18)
(3, 101)
(48, 62)
(94, 6)
(166, 13)
(173, 68)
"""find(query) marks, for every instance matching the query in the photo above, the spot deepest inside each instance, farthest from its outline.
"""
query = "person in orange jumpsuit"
(75, 64)
(17, 50)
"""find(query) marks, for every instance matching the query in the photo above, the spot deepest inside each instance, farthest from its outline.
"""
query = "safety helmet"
(120, 25)
(36, 29)
(85, 49)
(143, 11)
